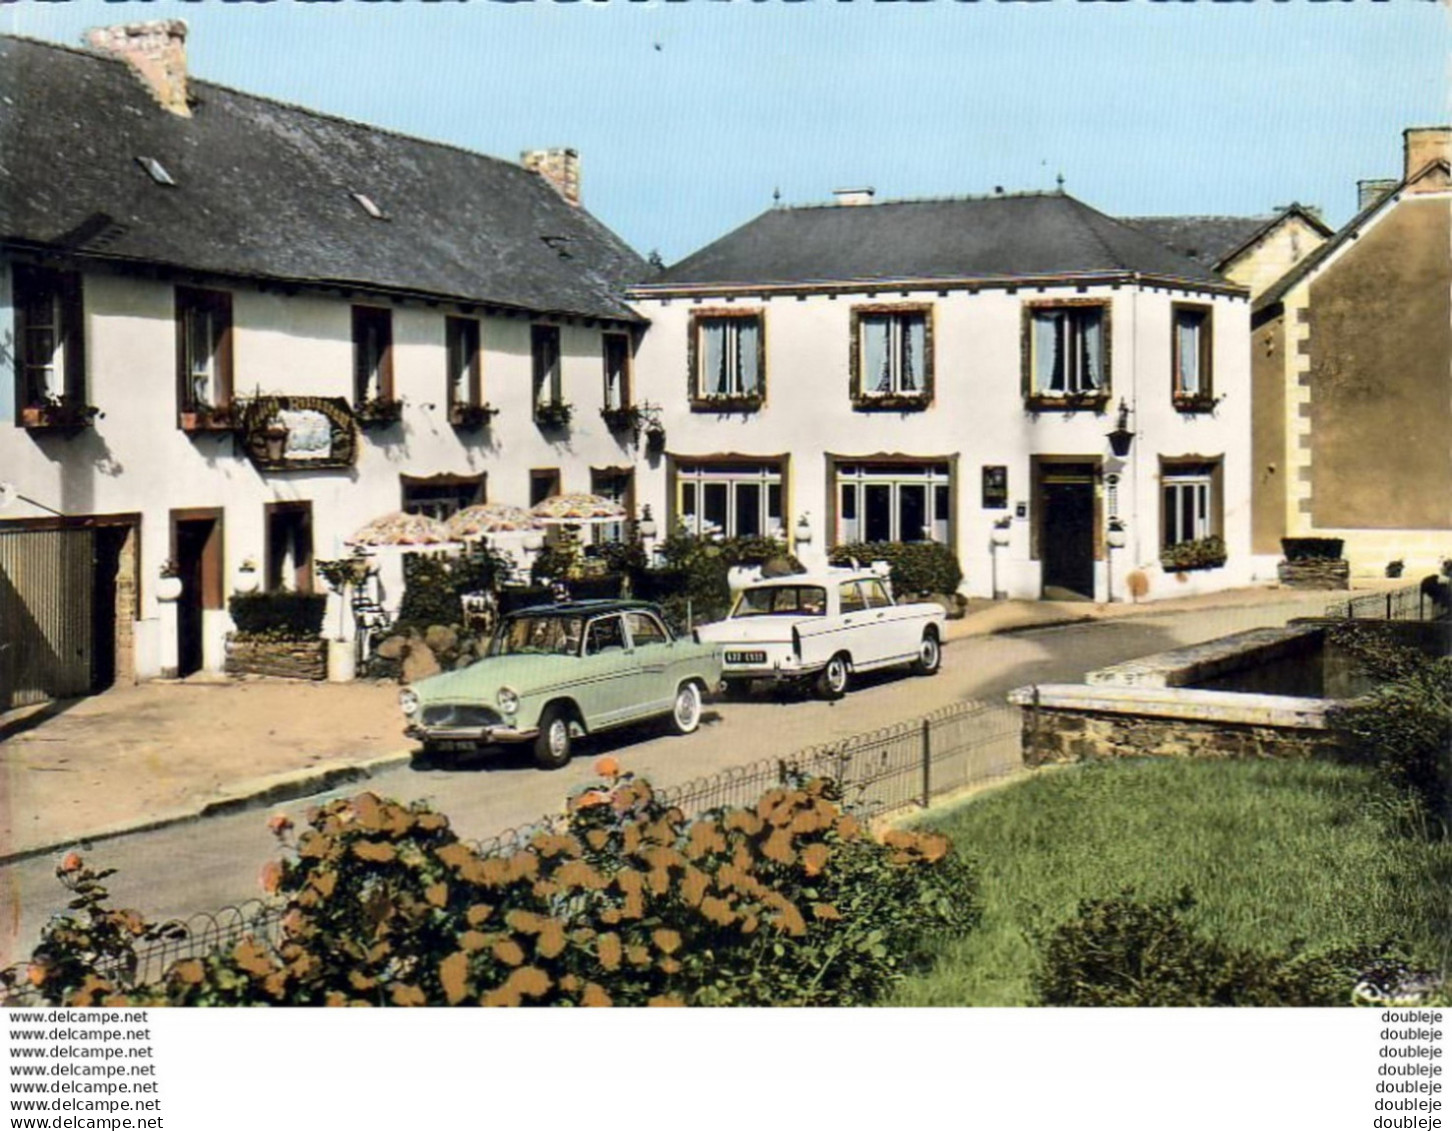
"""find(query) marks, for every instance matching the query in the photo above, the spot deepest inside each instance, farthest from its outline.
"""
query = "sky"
(690, 115)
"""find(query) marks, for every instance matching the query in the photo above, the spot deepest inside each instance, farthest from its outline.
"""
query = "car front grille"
(455, 715)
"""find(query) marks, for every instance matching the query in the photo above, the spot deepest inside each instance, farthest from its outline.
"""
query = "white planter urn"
(168, 588)
(342, 661)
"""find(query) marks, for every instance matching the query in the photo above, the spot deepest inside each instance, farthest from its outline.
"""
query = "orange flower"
(608, 767)
(271, 877)
(72, 862)
(279, 823)
(36, 974)
(591, 798)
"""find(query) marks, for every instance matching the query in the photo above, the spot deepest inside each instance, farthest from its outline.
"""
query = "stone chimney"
(1369, 192)
(560, 167)
(1424, 145)
(852, 197)
(156, 52)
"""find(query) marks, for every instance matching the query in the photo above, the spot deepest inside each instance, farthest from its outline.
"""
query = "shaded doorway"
(196, 538)
(1066, 530)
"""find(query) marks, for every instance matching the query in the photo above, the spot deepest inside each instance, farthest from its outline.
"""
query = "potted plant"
(626, 418)
(340, 574)
(1394, 568)
(1001, 531)
(463, 414)
(169, 583)
(553, 414)
(61, 411)
(203, 417)
(378, 412)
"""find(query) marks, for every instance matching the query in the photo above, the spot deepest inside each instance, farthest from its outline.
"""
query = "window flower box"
(470, 416)
(1202, 553)
(891, 402)
(206, 418)
(627, 418)
(553, 414)
(739, 402)
(1095, 402)
(60, 414)
(1195, 402)
(378, 412)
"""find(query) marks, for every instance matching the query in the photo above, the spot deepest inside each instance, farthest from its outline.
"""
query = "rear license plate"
(746, 657)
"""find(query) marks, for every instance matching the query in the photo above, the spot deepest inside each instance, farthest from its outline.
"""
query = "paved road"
(207, 864)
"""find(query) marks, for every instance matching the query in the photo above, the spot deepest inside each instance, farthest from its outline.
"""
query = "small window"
(617, 370)
(618, 485)
(850, 597)
(729, 361)
(607, 634)
(875, 594)
(892, 357)
(1191, 361)
(1067, 358)
(441, 496)
(545, 352)
(289, 547)
(49, 338)
(461, 337)
(372, 354)
(204, 349)
(544, 483)
(1189, 503)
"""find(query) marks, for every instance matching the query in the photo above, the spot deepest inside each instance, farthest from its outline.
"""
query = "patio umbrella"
(399, 529)
(578, 509)
(490, 518)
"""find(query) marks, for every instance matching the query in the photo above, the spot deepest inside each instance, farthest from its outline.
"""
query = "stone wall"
(1052, 735)
(289, 659)
(1315, 573)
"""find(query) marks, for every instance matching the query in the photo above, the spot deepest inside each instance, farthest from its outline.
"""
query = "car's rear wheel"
(930, 654)
(832, 679)
(686, 711)
(552, 747)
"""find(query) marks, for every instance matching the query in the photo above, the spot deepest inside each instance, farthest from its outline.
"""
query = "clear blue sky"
(688, 115)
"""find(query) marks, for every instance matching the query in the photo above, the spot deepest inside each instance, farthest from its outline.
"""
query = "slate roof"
(1350, 230)
(1037, 235)
(1213, 240)
(263, 191)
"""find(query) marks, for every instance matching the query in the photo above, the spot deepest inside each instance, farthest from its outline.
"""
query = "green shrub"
(1123, 952)
(1404, 727)
(1201, 553)
(918, 568)
(433, 584)
(278, 616)
(1312, 549)
(789, 901)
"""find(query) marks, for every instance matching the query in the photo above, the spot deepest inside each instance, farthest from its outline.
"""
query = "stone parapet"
(1315, 573)
(288, 659)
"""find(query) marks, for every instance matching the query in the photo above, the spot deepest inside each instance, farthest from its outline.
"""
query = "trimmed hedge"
(918, 568)
(278, 616)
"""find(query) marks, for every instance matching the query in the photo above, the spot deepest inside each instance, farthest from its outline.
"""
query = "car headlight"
(508, 700)
(408, 701)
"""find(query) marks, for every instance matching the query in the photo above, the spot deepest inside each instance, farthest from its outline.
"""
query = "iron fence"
(1412, 602)
(906, 764)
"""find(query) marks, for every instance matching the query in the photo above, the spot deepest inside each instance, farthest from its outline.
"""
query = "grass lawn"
(1273, 851)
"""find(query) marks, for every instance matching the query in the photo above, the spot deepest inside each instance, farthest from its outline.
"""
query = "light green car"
(556, 672)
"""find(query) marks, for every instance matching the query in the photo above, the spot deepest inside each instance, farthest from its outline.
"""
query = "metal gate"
(46, 629)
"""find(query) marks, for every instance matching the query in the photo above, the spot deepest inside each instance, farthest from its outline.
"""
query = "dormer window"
(156, 171)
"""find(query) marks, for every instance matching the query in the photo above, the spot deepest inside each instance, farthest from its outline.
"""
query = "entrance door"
(1066, 530)
(197, 550)
(106, 560)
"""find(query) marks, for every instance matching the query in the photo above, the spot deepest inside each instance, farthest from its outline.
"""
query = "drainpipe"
(1137, 451)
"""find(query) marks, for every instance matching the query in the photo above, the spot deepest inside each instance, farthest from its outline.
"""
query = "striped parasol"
(490, 518)
(400, 529)
(578, 508)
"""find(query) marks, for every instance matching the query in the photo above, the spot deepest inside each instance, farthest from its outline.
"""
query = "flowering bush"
(789, 901)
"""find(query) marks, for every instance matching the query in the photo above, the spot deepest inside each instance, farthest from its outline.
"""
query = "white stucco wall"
(136, 459)
(978, 415)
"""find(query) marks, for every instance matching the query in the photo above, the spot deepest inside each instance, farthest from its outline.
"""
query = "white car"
(824, 627)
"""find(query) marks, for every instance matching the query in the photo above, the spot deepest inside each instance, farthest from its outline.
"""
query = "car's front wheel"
(686, 711)
(832, 679)
(552, 745)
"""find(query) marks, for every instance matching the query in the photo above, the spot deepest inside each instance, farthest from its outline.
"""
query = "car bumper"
(780, 668)
(481, 736)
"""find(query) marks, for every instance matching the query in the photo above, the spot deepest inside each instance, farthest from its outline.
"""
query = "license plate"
(746, 657)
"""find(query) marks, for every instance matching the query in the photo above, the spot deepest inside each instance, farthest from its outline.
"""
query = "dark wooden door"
(192, 538)
(1066, 534)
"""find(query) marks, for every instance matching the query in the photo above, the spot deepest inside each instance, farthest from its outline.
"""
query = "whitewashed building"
(952, 370)
(177, 258)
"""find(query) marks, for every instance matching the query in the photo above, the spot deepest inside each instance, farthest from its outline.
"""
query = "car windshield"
(538, 636)
(781, 600)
